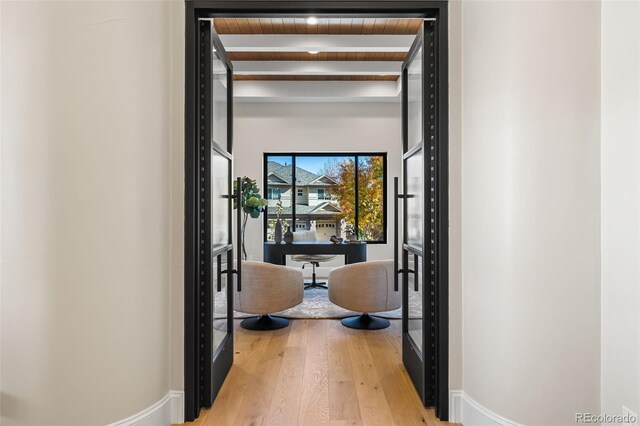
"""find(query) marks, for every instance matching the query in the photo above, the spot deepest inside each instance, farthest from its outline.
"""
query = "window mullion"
(293, 191)
(357, 199)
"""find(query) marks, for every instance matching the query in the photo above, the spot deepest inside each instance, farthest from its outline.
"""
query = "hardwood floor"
(317, 372)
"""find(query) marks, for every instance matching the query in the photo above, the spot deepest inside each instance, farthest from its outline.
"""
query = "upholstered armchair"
(365, 287)
(266, 289)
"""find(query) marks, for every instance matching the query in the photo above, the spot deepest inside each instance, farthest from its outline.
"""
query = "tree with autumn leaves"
(370, 193)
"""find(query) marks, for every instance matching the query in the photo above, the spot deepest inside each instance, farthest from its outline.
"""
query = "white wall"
(455, 195)
(531, 208)
(177, 194)
(620, 206)
(332, 127)
(85, 210)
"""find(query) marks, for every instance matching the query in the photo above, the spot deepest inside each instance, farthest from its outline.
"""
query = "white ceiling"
(317, 91)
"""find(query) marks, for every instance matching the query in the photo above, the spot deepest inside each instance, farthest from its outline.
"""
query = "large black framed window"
(333, 193)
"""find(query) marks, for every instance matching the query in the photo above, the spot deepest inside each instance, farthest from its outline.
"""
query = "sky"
(314, 164)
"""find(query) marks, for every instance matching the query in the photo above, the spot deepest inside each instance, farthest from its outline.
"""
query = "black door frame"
(195, 10)
(205, 370)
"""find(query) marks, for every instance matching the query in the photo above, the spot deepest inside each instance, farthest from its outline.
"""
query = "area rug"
(316, 305)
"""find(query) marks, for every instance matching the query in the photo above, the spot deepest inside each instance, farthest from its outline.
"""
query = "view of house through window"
(333, 194)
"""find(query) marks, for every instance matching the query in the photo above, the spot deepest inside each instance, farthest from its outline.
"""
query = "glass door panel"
(414, 324)
(221, 201)
(215, 106)
(219, 95)
(414, 100)
(220, 183)
(414, 169)
(220, 303)
(415, 299)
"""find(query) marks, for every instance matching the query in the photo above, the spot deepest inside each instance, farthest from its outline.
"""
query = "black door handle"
(219, 263)
(238, 270)
(396, 263)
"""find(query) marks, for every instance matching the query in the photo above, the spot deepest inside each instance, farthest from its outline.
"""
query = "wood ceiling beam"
(322, 56)
(316, 91)
(324, 26)
(324, 77)
(317, 68)
(318, 43)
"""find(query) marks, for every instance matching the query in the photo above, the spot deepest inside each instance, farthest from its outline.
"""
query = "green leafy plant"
(279, 208)
(253, 203)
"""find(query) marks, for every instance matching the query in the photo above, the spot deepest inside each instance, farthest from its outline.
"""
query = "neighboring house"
(314, 204)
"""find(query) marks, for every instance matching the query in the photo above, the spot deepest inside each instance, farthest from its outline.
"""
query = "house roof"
(303, 177)
(324, 209)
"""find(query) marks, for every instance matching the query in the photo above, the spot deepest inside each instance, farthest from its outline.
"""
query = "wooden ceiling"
(353, 26)
(261, 77)
(324, 26)
(322, 56)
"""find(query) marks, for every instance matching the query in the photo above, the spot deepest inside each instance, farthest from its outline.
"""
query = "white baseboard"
(464, 409)
(455, 406)
(177, 408)
(169, 410)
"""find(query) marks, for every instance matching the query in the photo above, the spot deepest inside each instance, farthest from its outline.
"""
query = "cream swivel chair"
(312, 259)
(364, 287)
(266, 289)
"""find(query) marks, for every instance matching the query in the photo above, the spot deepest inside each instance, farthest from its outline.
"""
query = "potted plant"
(252, 205)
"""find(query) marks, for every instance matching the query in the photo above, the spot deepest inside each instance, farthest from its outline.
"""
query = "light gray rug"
(316, 305)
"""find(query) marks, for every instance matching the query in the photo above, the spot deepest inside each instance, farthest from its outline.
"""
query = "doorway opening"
(223, 63)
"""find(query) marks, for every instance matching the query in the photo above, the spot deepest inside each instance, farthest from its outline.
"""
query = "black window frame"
(356, 156)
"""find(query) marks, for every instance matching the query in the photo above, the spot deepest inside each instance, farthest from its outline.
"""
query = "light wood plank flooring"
(317, 372)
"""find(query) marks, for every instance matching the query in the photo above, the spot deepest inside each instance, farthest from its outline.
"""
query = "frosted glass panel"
(415, 300)
(415, 207)
(219, 200)
(220, 301)
(414, 96)
(219, 104)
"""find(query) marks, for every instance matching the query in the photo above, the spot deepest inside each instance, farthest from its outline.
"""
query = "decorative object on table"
(350, 233)
(277, 234)
(252, 205)
(288, 236)
(335, 240)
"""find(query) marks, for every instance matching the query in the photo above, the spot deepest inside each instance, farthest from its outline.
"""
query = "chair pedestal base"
(366, 322)
(264, 322)
(314, 284)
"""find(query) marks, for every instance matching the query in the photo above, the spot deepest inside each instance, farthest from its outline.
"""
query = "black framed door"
(209, 327)
(425, 223)
(199, 276)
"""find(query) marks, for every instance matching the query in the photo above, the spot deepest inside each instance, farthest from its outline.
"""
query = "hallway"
(318, 372)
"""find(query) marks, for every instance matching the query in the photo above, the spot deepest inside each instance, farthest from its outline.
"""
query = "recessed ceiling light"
(313, 52)
(312, 20)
